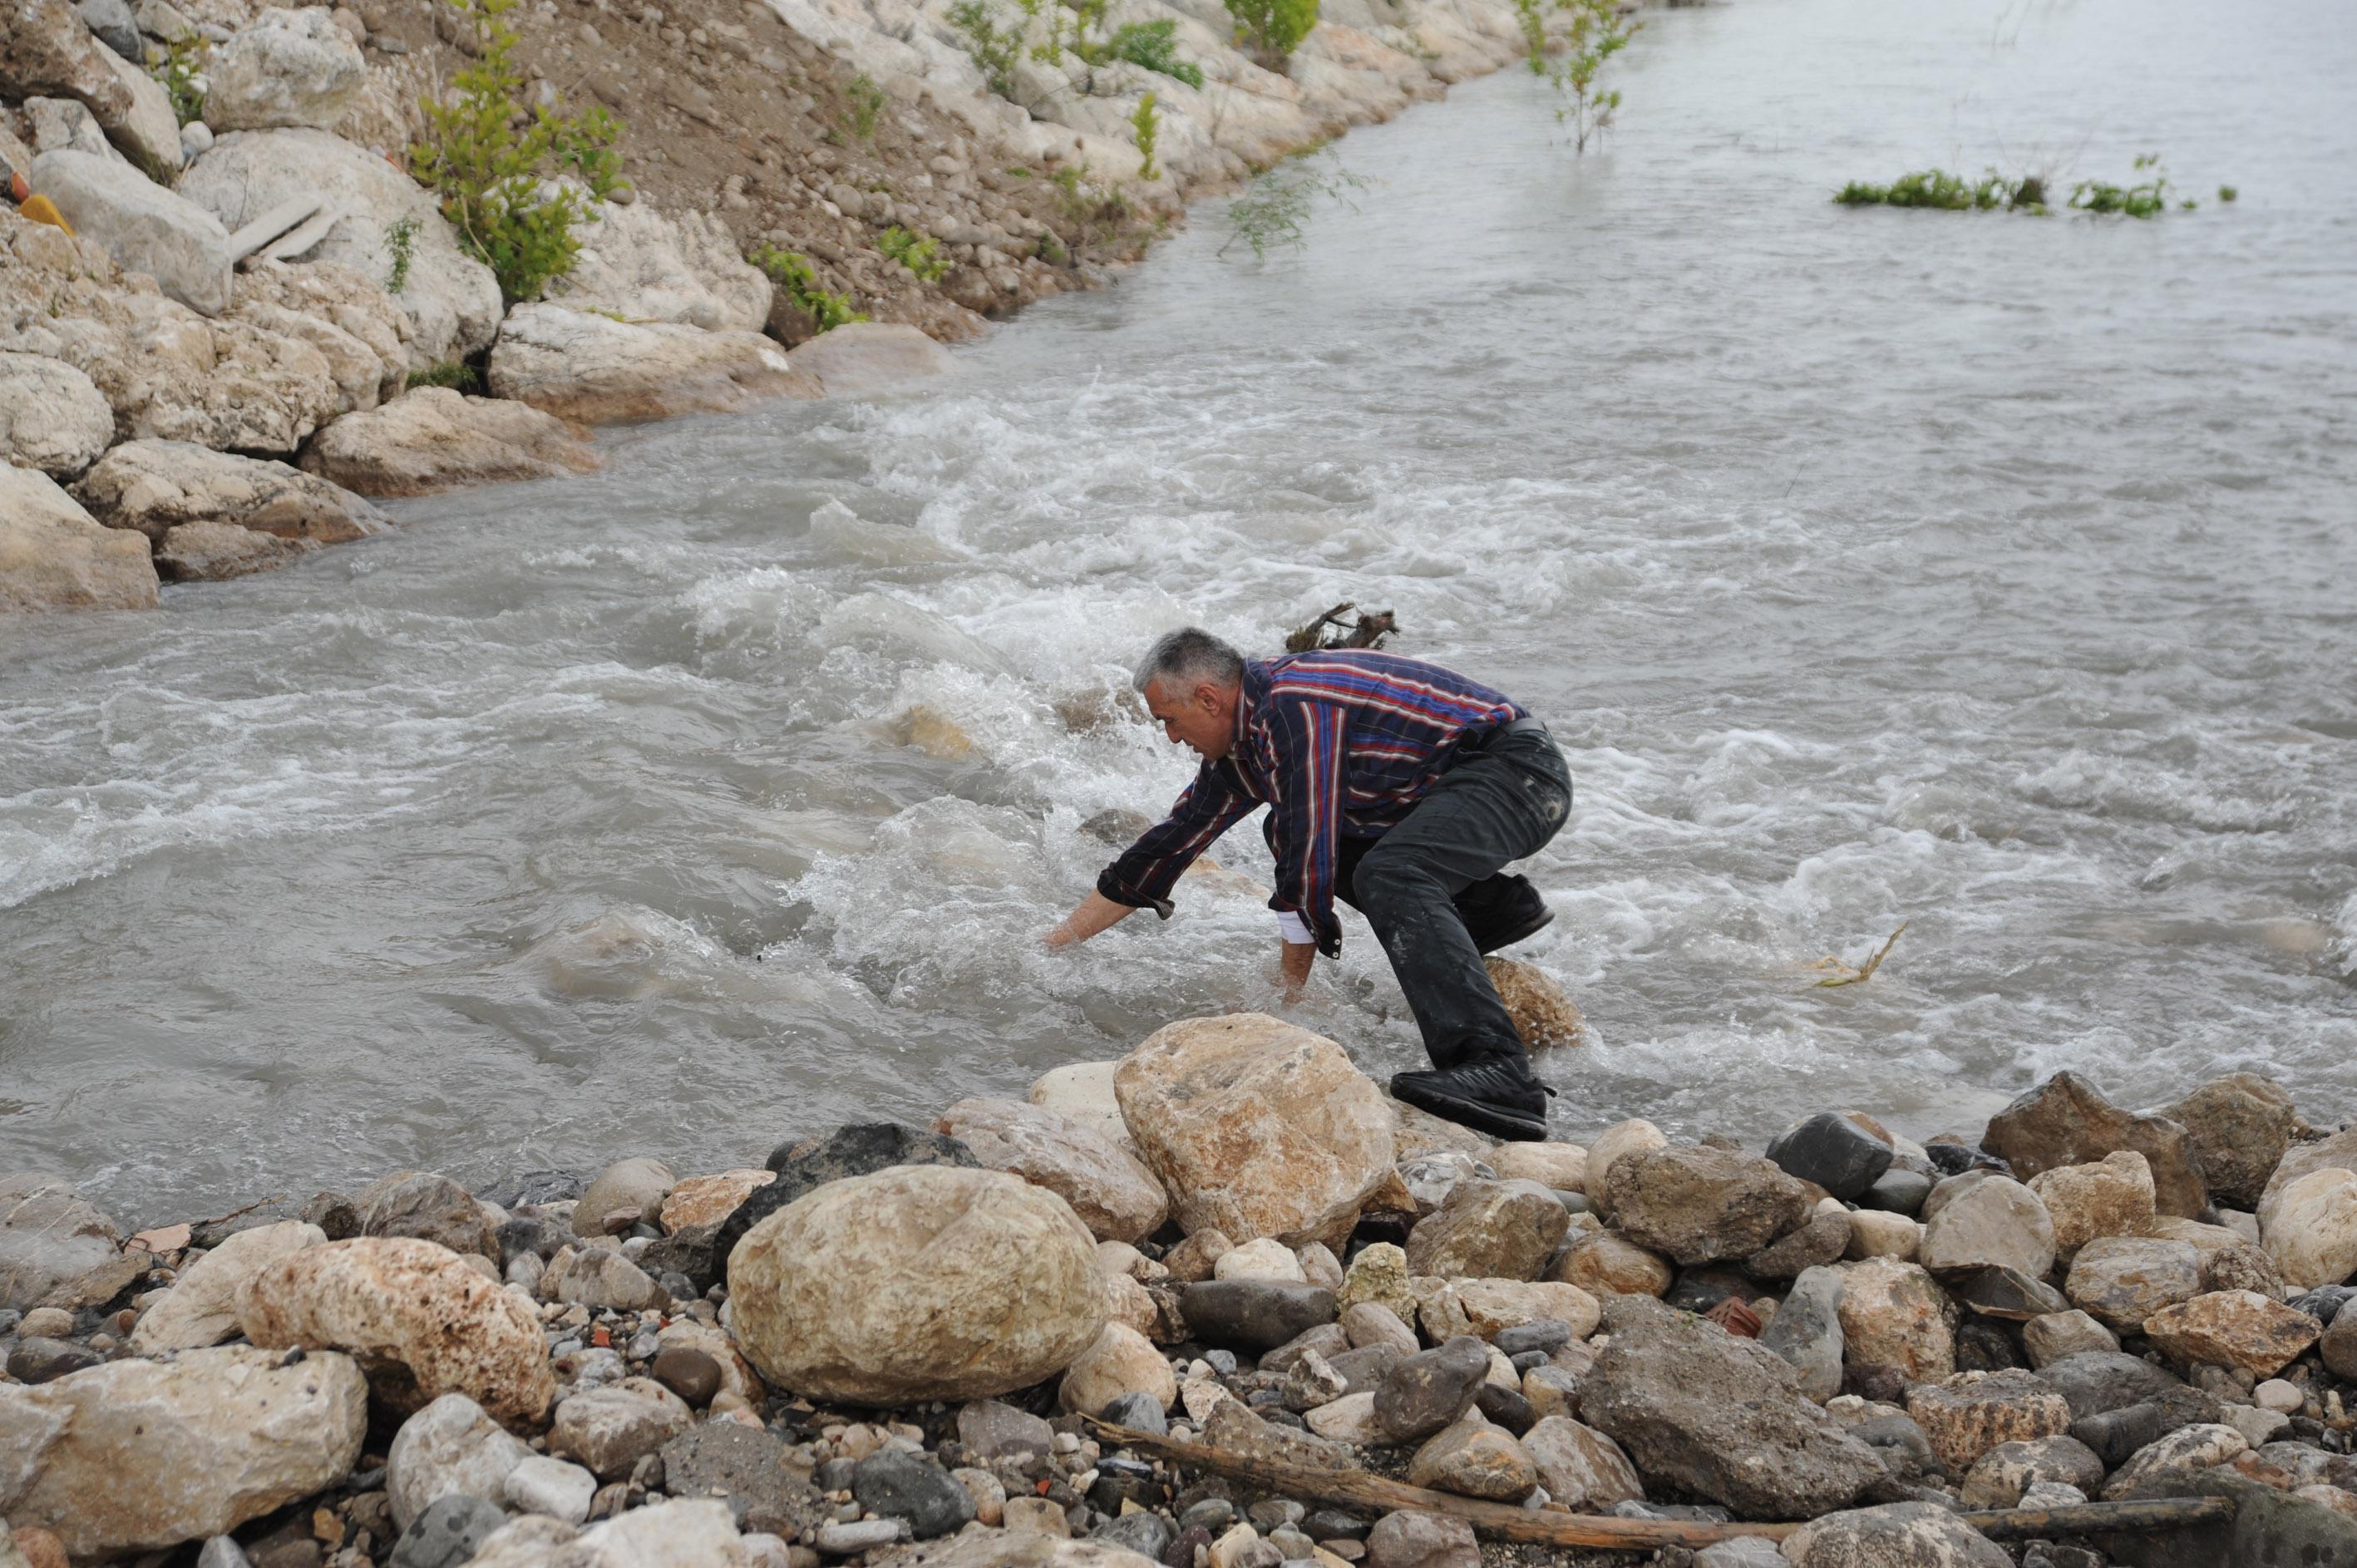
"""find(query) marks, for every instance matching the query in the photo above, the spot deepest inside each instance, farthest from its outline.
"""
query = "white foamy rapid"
(1989, 574)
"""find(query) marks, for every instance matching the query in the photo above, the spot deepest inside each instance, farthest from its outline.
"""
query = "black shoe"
(1522, 930)
(1495, 1096)
(1502, 911)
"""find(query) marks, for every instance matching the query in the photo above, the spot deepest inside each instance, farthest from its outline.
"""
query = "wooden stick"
(1547, 1527)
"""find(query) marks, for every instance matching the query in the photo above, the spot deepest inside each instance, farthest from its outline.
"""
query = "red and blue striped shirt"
(1337, 744)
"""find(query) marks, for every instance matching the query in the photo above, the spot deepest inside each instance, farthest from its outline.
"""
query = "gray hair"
(1189, 655)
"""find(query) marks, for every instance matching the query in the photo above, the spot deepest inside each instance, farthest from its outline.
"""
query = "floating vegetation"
(1941, 192)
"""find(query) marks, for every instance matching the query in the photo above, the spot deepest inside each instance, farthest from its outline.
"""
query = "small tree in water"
(1598, 31)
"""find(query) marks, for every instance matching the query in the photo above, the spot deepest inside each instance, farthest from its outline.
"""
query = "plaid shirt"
(1338, 744)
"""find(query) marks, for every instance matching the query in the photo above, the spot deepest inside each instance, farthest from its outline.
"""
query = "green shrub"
(1146, 123)
(1155, 47)
(996, 50)
(401, 243)
(1271, 29)
(485, 154)
(181, 74)
(920, 254)
(867, 103)
(1598, 31)
(793, 272)
(1941, 192)
(1273, 212)
(455, 375)
(2149, 199)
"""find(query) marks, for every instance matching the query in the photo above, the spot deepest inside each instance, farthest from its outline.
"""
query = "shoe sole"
(1493, 1121)
(1521, 933)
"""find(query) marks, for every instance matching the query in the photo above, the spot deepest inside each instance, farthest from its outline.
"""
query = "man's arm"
(1095, 913)
(1149, 869)
(1306, 823)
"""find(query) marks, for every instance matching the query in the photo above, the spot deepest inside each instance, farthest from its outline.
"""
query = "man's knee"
(1385, 879)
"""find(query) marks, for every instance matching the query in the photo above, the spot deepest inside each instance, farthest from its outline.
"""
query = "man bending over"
(1396, 786)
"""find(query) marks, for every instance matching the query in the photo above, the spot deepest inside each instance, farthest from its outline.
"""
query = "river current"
(1990, 574)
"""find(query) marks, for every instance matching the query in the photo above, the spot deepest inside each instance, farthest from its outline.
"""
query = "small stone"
(1898, 1191)
(1037, 1515)
(841, 1540)
(1369, 1324)
(1147, 1533)
(2240, 1126)
(2122, 1280)
(1412, 1540)
(991, 1430)
(903, 1486)
(1873, 1234)
(1430, 1389)
(1264, 1258)
(1581, 1467)
(610, 1429)
(2338, 1348)
(687, 1372)
(1979, 1220)
(552, 1486)
(36, 1358)
(1806, 1332)
(1122, 1361)
(2060, 1334)
(2234, 1328)
(1966, 1416)
(1606, 1264)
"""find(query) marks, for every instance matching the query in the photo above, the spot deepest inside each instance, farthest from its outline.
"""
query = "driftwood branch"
(1330, 631)
(1547, 1527)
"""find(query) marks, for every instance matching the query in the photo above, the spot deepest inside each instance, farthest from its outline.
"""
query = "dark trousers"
(1432, 889)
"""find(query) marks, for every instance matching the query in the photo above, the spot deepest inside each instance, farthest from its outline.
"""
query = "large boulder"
(1082, 1092)
(340, 311)
(138, 1456)
(285, 69)
(866, 358)
(1980, 1220)
(51, 416)
(54, 555)
(1116, 1197)
(2232, 1328)
(419, 1321)
(1256, 1127)
(200, 1309)
(646, 266)
(1717, 1416)
(634, 1188)
(2111, 1198)
(2309, 1226)
(56, 1250)
(145, 227)
(2241, 1125)
(153, 487)
(2066, 1121)
(2337, 1153)
(802, 1165)
(1701, 1205)
(450, 1448)
(1489, 1230)
(1964, 1416)
(917, 1282)
(582, 366)
(2122, 1280)
(1895, 1314)
(47, 50)
(452, 300)
(434, 439)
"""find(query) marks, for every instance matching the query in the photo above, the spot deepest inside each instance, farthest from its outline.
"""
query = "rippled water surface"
(1989, 574)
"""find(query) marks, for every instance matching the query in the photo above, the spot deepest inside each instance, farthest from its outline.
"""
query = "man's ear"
(1207, 695)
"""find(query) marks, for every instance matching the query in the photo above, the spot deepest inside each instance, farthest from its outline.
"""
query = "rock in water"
(597, 371)
(1543, 1016)
(433, 439)
(1116, 1197)
(420, 1204)
(1256, 1127)
(421, 1322)
(2066, 1121)
(140, 1456)
(55, 1248)
(1083, 1092)
(638, 1185)
(1702, 1205)
(1896, 1535)
(1718, 1416)
(804, 1164)
(918, 1282)
(201, 1309)
(1833, 1152)
(868, 358)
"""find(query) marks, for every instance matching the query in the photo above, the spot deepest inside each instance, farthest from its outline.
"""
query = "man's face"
(1202, 715)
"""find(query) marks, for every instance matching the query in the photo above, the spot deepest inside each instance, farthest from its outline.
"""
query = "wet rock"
(2232, 1328)
(211, 1438)
(1474, 1461)
(2111, 1198)
(1833, 1152)
(1413, 1540)
(1606, 1265)
(1429, 1389)
(1559, 1167)
(201, 1308)
(51, 416)
(1253, 1315)
(2124, 1280)
(56, 556)
(1115, 1196)
(553, 1487)
(2056, 1334)
(2310, 1228)
(1894, 1314)
(2241, 1127)
(1256, 1127)
(1964, 1416)
(2097, 1380)
(434, 439)
(828, 1297)
(1894, 1535)
(1502, 1230)
(2187, 1448)
(1544, 1016)
(1823, 1241)
(869, 358)
(448, 1534)
(1979, 1220)
(1608, 1147)
(145, 227)
(597, 371)
(216, 552)
(1717, 1416)
(903, 1486)
(2066, 1121)
(1806, 1332)
(288, 67)
(746, 1467)
(803, 1165)
(420, 1322)
(1581, 1467)
(56, 1250)
(1702, 1205)
(451, 1448)
(158, 487)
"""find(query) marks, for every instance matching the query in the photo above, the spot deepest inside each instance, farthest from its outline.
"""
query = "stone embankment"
(210, 334)
(894, 1346)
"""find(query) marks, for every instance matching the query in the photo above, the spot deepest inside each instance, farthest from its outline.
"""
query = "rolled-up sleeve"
(1305, 823)
(1147, 871)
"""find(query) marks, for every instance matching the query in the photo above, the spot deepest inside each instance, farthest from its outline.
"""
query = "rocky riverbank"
(1215, 1305)
(219, 342)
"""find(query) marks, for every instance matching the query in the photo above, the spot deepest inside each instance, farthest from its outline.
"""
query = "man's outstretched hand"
(1294, 965)
(1096, 912)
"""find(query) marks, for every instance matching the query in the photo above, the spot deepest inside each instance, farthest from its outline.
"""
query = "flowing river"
(1991, 574)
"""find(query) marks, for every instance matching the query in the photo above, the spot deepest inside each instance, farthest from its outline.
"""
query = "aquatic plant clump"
(1941, 192)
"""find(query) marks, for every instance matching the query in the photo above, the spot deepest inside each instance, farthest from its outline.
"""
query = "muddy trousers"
(1434, 889)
